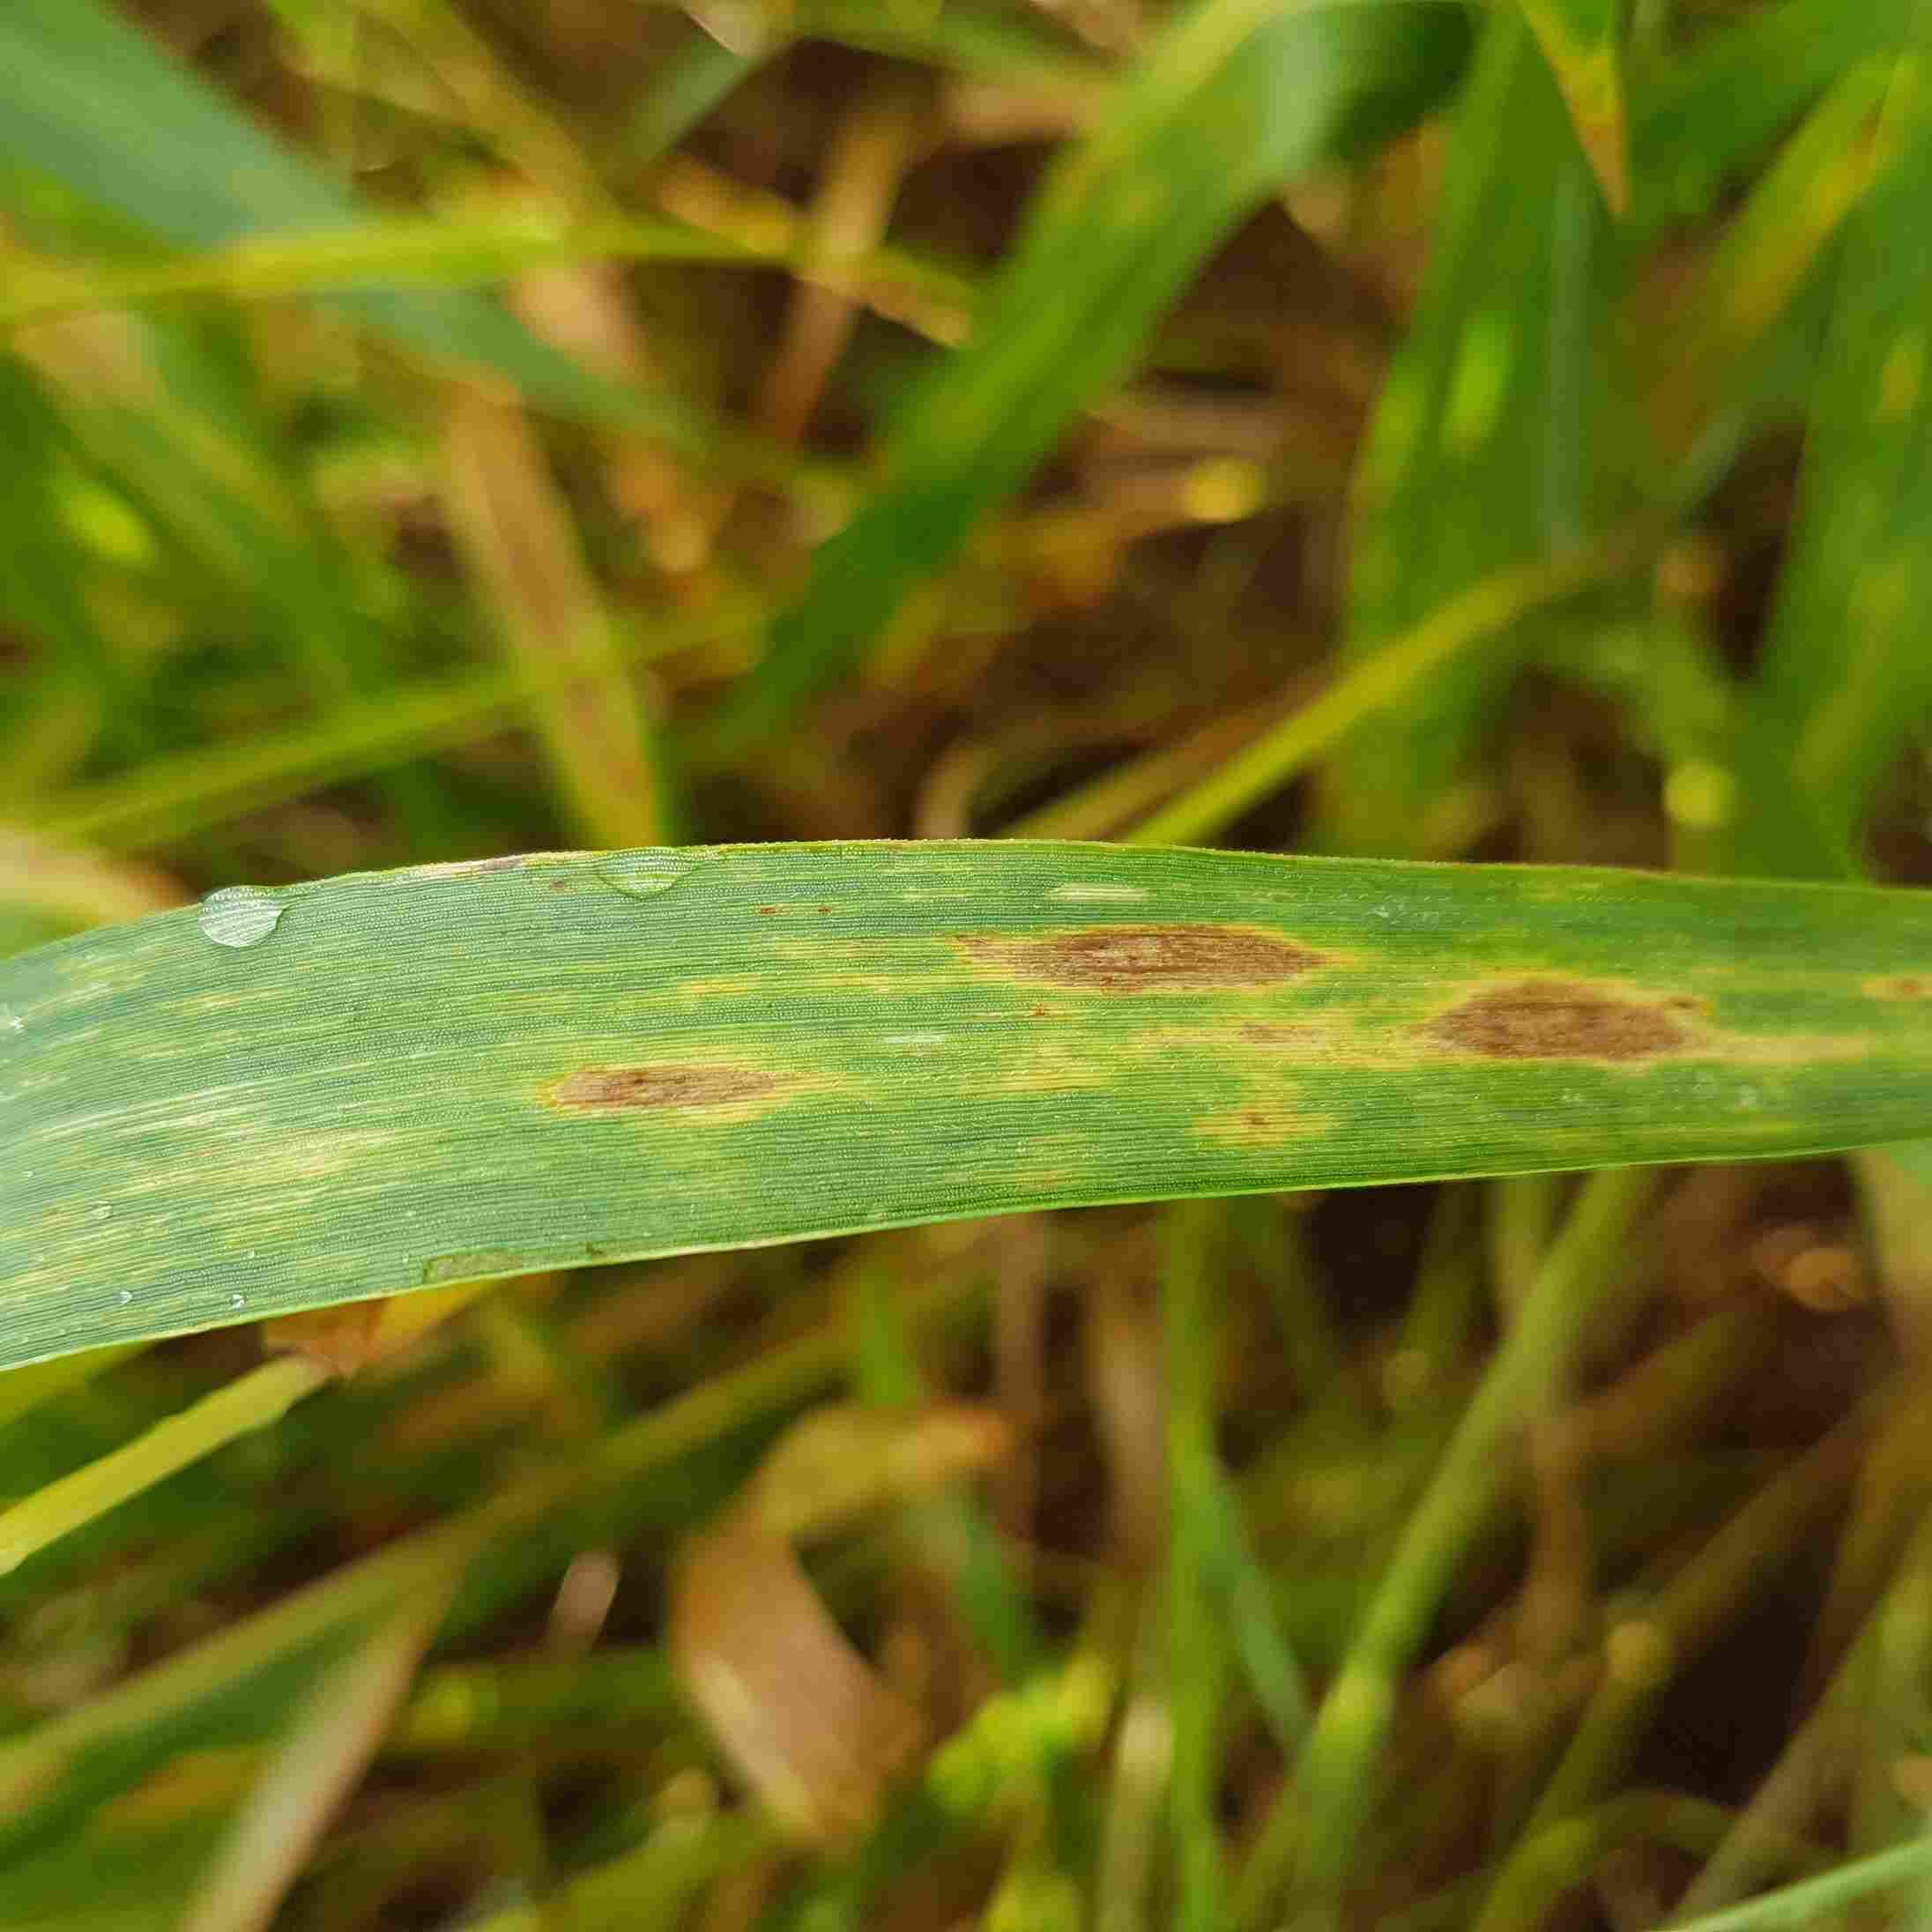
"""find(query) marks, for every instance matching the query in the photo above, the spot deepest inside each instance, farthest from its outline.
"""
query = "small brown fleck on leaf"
(1543, 1020)
(1265, 1033)
(1147, 958)
(672, 1086)
(1901, 986)
(1267, 1121)
(766, 912)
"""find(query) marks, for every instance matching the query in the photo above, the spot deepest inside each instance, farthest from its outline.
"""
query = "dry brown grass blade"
(813, 1728)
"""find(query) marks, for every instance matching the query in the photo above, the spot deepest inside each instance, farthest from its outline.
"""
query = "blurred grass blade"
(1844, 676)
(808, 1722)
(1197, 1673)
(1817, 1901)
(1821, 179)
(76, 887)
(523, 548)
(389, 251)
(334, 1090)
(993, 41)
(42, 566)
(1483, 453)
(252, 1401)
(1232, 98)
(329, 1746)
(1336, 1781)
(1700, 116)
(690, 85)
(25, 1389)
(95, 103)
(176, 798)
(1579, 40)
(1395, 678)
(1261, 1644)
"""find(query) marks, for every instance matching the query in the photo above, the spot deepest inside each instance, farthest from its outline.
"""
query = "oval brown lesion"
(1901, 986)
(1562, 1019)
(1122, 959)
(668, 1085)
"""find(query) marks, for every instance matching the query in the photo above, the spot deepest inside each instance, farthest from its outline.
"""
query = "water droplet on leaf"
(125, 1297)
(239, 915)
(238, 1301)
(644, 875)
(102, 1212)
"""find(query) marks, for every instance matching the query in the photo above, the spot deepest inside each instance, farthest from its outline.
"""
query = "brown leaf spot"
(671, 1085)
(1266, 1121)
(1901, 986)
(1539, 1020)
(1266, 1033)
(1147, 958)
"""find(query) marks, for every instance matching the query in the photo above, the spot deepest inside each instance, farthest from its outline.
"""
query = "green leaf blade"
(1579, 40)
(1844, 678)
(1483, 457)
(458, 1072)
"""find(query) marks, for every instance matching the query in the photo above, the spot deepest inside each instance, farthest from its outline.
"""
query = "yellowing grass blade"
(283, 1100)
(1579, 40)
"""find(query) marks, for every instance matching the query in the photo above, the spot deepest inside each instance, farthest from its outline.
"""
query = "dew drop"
(125, 1297)
(644, 875)
(238, 1301)
(239, 916)
(11, 1021)
(101, 1213)
(249, 1255)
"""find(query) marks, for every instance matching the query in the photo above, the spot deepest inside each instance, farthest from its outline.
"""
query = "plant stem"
(1312, 1831)
(252, 1401)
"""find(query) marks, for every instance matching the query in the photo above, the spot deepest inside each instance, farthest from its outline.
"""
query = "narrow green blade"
(1232, 100)
(1699, 117)
(1579, 40)
(1845, 677)
(346, 1088)
(1483, 454)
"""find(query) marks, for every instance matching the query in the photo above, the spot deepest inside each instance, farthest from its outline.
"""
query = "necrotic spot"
(1543, 1020)
(1147, 958)
(603, 1086)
